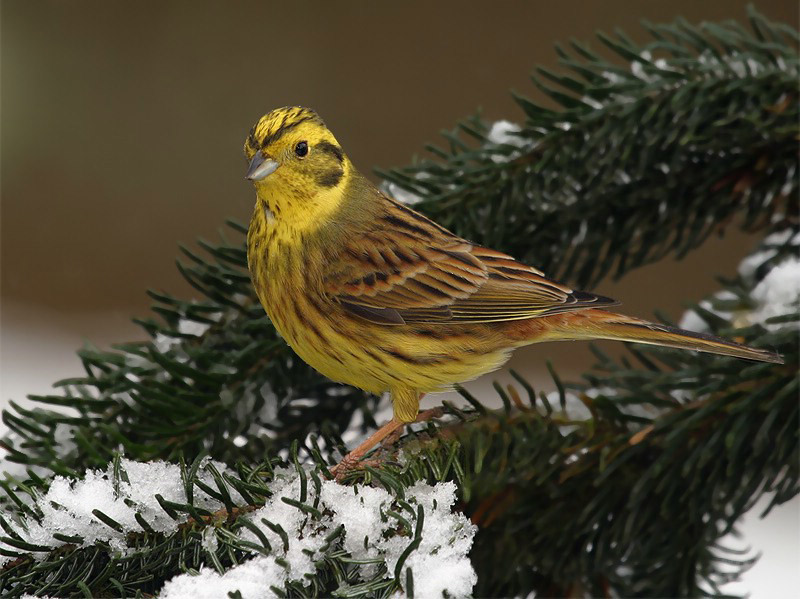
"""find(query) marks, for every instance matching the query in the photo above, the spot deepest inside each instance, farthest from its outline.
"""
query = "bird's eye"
(301, 149)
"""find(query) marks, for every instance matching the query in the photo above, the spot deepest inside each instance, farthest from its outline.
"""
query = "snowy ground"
(36, 350)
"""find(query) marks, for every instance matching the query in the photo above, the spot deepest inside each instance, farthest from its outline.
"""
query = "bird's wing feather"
(415, 271)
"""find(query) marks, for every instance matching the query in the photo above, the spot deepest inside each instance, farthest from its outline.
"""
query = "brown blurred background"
(122, 127)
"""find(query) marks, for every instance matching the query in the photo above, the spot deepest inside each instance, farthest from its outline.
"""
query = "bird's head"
(296, 164)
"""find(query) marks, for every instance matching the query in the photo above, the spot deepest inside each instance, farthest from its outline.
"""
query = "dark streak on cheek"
(330, 178)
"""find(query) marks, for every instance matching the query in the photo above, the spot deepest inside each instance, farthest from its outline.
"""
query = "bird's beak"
(260, 167)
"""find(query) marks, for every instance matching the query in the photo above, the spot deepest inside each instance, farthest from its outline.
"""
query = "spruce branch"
(657, 150)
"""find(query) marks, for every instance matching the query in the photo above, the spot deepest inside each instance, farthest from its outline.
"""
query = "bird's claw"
(348, 464)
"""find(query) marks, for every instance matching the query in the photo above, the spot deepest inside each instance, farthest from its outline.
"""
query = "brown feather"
(601, 324)
(415, 271)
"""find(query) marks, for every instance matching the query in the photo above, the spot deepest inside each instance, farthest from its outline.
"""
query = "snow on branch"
(389, 539)
(105, 506)
(772, 272)
(379, 531)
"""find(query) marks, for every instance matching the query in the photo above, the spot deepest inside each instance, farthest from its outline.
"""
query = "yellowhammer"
(373, 294)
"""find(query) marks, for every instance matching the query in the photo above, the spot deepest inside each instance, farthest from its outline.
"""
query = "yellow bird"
(375, 295)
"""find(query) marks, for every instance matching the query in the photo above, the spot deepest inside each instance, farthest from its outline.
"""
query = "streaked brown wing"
(415, 271)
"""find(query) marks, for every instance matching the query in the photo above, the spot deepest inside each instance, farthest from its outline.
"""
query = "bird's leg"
(352, 458)
(393, 437)
(386, 435)
(421, 417)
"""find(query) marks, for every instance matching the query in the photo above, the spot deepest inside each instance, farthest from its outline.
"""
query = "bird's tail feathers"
(601, 324)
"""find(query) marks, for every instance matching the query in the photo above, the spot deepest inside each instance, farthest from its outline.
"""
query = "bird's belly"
(327, 348)
(377, 357)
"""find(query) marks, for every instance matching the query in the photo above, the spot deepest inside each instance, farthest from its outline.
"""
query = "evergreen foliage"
(624, 483)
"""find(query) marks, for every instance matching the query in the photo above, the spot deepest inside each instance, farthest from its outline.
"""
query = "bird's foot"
(386, 436)
(348, 464)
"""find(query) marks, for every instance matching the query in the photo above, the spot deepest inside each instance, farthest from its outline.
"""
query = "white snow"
(192, 327)
(68, 504)
(778, 293)
(503, 134)
(304, 536)
(637, 68)
(164, 343)
(589, 101)
(210, 541)
(613, 77)
(440, 564)
(749, 265)
(507, 133)
(252, 579)
(741, 67)
(692, 321)
(575, 408)
(403, 195)
(774, 295)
